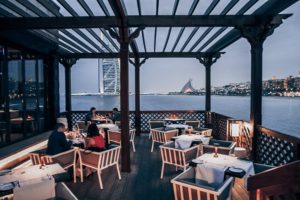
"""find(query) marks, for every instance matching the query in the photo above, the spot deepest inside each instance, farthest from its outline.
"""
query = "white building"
(109, 76)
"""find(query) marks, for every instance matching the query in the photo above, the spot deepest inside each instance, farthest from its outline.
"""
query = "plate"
(197, 161)
(4, 172)
(7, 186)
(236, 170)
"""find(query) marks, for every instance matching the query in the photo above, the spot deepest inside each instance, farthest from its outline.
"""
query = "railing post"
(256, 36)
(68, 63)
(137, 65)
(207, 60)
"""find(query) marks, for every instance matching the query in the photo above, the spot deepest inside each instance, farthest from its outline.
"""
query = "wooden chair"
(115, 137)
(66, 159)
(207, 133)
(162, 137)
(100, 161)
(194, 124)
(186, 188)
(225, 147)
(81, 126)
(155, 124)
(176, 157)
(118, 123)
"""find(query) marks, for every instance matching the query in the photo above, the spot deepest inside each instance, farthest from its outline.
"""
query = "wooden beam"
(19, 23)
(141, 55)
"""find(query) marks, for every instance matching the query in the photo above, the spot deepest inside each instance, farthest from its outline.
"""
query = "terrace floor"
(142, 183)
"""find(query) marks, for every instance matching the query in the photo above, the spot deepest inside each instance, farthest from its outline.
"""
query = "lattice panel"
(246, 140)
(219, 126)
(147, 116)
(274, 151)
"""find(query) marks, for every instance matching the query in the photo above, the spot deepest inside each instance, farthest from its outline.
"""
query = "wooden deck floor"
(142, 183)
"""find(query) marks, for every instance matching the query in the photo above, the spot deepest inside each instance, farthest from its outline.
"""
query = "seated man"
(57, 142)
(116, 115)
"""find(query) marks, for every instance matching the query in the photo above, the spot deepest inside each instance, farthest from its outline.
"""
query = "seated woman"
(91, 115)
(95, 141)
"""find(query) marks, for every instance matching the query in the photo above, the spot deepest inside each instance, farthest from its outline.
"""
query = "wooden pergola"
(70, 35)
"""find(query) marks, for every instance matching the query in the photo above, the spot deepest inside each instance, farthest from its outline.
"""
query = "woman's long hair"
(92, 130)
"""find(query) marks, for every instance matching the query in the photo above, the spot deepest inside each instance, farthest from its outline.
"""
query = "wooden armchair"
(100, 161)
(176, 157)
(225, 147)
(66, 159)
(115, 137)
(82, 127)
(186, 188)
(162, 137)
(155, 124)
(194, 124)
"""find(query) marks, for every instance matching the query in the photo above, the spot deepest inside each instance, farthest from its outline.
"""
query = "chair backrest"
(132, 134)
(156, 124)
(35, 158)
(82, 126)
(177, 157)
(207, 132)
(194, 124)
(65, 159)
(118, 123)
(185, 188)
(100, 160)
(163, 136)
(114, 136)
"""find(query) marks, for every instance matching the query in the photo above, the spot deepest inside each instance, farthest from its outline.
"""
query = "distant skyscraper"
(109, 76)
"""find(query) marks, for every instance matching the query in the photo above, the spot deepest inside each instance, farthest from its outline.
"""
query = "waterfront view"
(280, 113)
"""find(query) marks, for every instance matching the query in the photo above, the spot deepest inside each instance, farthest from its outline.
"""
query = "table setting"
(33, 182)
(188, 140)
(233, 166)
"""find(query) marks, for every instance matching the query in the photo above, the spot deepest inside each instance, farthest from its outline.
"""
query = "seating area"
(82, 118)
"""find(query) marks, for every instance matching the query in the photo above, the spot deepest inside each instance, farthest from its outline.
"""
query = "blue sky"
(281, 59)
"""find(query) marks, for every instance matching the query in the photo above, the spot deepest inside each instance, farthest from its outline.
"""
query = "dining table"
(33, 182)
(187, 140)
(181, 127)
(174, 121)
(230, 163)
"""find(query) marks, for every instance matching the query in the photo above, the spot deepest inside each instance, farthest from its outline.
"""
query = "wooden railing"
(276, 148)
(146, 116)
(273, 148)
(278, 183)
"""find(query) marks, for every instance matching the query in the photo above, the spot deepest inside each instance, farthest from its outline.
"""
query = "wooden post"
(137, 65)
(137, 98)
(68, 63)
(256, 36)
(207, 88)
(52, 88)
(124, 97)
(68, 93)
(208, 60)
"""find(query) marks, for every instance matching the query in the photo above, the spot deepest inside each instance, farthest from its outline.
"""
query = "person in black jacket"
(57, 142)
(116, 115)
(91, 115)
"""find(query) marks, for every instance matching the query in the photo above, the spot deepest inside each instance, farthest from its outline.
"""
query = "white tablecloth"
(209, 174)
(229, 161)
(185, 141)
(183, 126)
(109, 126)
(35, 189)
(32, 172)
(35, 182)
